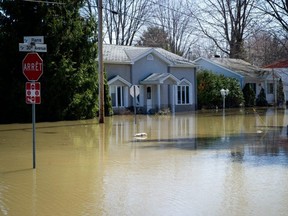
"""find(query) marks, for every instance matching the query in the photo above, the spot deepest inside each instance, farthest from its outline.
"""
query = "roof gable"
(184, 81)
(119, 80)
(160, 78)
(141, 53)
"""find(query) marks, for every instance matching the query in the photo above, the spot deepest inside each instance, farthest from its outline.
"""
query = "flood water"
(200, 163)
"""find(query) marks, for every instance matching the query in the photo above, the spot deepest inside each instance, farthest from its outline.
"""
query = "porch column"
(158, 96)
(173, 99)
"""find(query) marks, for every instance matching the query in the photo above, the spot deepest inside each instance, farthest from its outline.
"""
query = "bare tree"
(265, 47)
(275, 14)
(124, 18)
(227, 23)
(174, 18)
(278, 10)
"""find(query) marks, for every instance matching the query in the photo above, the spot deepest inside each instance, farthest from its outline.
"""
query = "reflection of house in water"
(261, 149)
(246, 137)
(156, 127)
(273, 120)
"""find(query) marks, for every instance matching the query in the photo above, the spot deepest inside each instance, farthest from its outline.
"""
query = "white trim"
(184, 81)
(184, 66)
(115, 92)
(189, 94)
(173, 99)
(118, 62)
(150, 57)
(119, 78)
(159, 96)
(159, 78)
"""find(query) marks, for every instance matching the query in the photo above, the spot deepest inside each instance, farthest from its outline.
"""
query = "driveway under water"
(203, 163)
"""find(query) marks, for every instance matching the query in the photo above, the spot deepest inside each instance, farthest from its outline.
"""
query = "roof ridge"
(129, 54)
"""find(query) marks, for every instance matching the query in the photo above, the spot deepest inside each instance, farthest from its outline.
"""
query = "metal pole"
(223, 104)
(274, 88)
(34, 133)
(134, 89)
(100, 64)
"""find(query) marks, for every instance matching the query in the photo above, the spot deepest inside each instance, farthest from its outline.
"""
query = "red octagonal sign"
(32, 66)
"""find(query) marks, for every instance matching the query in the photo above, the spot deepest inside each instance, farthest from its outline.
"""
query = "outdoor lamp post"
(224, 93)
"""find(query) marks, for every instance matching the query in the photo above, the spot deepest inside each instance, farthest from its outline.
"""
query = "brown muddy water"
(201, 163)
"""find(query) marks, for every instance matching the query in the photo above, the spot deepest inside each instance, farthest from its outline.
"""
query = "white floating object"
(140, 135)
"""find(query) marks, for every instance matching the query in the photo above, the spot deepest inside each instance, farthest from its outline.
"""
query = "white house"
(280, 69)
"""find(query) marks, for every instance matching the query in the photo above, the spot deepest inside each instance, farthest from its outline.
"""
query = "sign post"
(32, 68)
(34, 135)
(134, 92)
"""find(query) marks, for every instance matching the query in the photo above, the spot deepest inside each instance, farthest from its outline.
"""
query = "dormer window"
(150, 57)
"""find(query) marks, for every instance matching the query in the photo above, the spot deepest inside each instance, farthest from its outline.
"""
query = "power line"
(169, 8)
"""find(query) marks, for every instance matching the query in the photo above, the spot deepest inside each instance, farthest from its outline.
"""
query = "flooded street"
(202, 163)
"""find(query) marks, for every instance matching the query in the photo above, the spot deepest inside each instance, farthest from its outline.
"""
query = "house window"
(117, 96)
(148, 93)
(183, 94)
(270, 88)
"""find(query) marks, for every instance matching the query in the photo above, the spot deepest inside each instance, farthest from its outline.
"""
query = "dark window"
(183, 94)
(148, 92)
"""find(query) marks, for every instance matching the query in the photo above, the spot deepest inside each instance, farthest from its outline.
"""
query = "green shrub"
(249, 95)
(208, 90)
(261, 98)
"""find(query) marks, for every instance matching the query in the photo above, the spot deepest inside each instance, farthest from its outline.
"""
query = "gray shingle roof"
(128, 54)
(242, 67)
(114, 55)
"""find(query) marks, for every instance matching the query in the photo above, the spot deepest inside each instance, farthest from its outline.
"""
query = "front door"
(149, 98)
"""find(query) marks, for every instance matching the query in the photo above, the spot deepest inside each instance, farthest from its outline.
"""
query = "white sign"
(34, 39)
(25, 47)
(137, 90)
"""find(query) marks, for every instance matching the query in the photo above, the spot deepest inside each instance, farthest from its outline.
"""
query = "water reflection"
(260, 135)
(200, 163)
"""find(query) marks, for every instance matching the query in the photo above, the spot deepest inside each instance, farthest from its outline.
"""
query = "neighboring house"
(244, 72)
(161, 79)
(280, 69)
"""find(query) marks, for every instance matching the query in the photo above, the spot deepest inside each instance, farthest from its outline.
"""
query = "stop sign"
(32, 66)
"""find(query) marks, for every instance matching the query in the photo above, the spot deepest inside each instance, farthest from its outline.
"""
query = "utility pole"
(100, 63)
